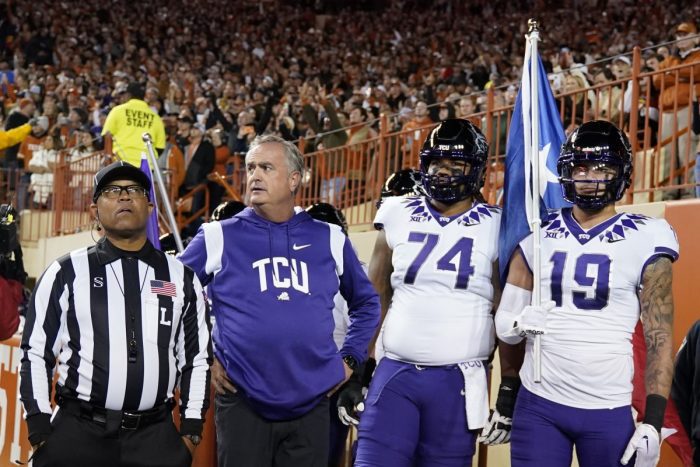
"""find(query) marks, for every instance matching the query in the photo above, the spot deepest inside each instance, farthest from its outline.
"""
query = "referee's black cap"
(119, 170)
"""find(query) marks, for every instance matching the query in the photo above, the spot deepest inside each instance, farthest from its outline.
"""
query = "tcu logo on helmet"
(282, 273)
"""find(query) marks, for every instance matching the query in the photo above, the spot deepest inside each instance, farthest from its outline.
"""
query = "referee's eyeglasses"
(132, 191)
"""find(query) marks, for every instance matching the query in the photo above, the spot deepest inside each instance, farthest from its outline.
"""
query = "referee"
(125, 324)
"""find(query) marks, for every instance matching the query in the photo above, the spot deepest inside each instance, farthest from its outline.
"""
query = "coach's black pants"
(244, 439)
(77, 442)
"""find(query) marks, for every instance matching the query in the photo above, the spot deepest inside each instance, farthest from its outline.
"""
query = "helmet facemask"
(592, 185)
(463, 182)
(596, 159)
(455, 140)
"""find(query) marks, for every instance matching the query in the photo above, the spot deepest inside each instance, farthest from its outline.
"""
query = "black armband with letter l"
(507, 393)
(654, 411)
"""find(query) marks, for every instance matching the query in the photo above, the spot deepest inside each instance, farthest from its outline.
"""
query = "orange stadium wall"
(683, 215)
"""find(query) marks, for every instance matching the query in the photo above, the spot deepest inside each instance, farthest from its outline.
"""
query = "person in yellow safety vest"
(126, 123)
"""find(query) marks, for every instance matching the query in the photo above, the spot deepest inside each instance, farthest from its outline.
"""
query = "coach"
(272, 274)
(125, 323)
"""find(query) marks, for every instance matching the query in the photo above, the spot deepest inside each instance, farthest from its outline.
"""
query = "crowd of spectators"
(226, 72)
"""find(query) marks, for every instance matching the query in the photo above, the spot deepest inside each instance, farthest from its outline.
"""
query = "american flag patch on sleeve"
(163, 288)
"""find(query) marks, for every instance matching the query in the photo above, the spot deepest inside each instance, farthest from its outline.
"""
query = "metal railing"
(55, 202)
(663, 165)
(193, 205)
(351, 176)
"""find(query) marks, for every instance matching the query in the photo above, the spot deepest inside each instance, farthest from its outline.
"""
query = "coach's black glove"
(497, 429)
(351, 396)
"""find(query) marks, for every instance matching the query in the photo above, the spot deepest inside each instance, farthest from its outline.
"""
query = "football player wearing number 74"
(600, 270)
(434, 267)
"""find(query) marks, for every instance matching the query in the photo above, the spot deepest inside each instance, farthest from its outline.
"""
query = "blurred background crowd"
(222, 72)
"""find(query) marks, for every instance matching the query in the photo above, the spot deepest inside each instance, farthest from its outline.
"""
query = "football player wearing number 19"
(433, 265)
(600, 269)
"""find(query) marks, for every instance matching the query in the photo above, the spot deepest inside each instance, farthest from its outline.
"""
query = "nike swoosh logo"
(296, 247)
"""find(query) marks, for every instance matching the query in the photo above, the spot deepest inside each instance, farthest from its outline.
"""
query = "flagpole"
(533, 38)
(146, 137)
(152, 229)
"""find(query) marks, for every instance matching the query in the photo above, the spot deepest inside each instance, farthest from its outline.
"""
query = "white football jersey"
(341, 320)
(594, 277)
(341, 317)
(443, 296)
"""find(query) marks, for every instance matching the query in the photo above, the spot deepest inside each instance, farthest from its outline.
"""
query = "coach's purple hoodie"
(272, 287)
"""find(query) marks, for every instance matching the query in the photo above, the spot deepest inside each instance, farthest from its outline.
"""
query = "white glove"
(646, 444)
(497, 429)
(351, 403)
(351, 419)
(533, 319)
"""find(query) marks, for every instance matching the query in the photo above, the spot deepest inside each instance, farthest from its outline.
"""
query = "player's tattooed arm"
(657, 319)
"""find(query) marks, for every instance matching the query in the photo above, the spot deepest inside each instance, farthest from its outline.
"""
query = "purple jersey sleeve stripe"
(662, 250)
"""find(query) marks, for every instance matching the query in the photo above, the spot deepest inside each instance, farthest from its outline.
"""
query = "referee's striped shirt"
(84, 313)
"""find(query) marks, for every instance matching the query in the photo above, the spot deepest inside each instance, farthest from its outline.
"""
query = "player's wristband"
(654, 411)
(507, 393)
